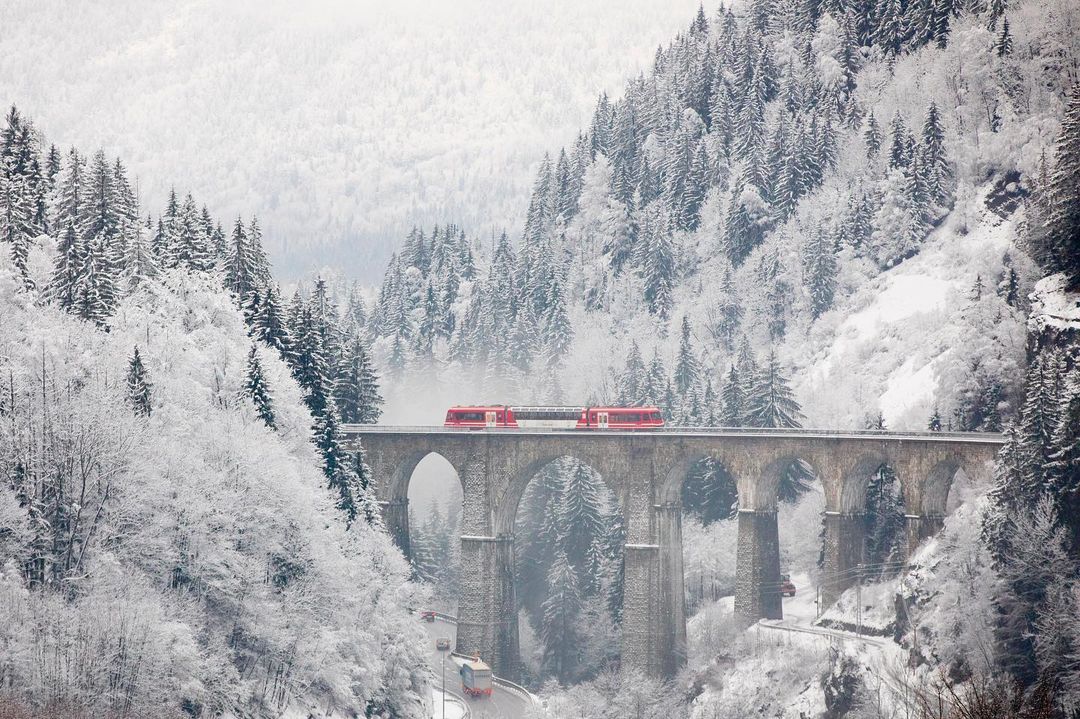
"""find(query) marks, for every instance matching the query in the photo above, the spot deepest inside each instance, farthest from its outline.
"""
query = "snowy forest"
(822, 213)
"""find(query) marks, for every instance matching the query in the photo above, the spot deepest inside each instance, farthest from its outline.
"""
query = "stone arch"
(674, 475)
(523, 473)
(393, 472)
(854, 479)
(759, 489)
(397, 485)
(937, 485)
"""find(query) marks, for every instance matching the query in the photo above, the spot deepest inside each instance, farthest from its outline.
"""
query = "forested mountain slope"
(773, 181)
(182, 532)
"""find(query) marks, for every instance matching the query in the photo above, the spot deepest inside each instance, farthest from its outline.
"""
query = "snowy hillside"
(903, 337)
(792, 188)
(198, 561)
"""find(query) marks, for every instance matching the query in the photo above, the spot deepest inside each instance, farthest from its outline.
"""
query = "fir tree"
(709, 492)
(255, 388)
(561, 610)
(819, 272)
(357, 389)
(581, 516)
(1063, 465)
(898, 143)
(872, 137)
(138, 385)
(1063, 225)
(935, 163)
(687, 368)
(557, 330)
(239, 272)
(267, 322)
(733, 396)
(884, 518)
(1004, 42)
(630, 383)
(68, 269)
(771, 403)
(656, 264)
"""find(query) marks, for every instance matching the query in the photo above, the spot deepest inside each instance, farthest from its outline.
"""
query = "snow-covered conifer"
(256, 389)
(138, 385)
(872, 136)
(687, 366)
(771, 402)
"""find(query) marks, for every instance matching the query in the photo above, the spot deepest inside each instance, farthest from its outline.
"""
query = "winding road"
(504, 703)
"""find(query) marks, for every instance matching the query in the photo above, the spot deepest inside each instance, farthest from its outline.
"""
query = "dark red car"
(787, 587)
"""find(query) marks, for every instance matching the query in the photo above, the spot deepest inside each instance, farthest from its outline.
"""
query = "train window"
(627, 417)
(656, 417)
(470, 416)
(545, 414)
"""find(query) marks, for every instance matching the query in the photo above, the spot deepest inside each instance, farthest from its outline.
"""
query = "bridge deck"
(973, 437)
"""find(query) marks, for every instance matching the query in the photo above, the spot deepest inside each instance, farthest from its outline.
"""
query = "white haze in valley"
(340, 123)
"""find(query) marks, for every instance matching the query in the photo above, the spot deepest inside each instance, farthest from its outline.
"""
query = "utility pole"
(443, 715)
(858, 599)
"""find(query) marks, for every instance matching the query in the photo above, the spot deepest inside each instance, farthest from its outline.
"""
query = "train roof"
(552, 408)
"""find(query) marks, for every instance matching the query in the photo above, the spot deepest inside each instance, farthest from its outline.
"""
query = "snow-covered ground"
(450, 707)
(778, 667)
(1053, 306)
(895, 336)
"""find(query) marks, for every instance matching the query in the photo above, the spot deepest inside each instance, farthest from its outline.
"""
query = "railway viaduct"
(645, 470)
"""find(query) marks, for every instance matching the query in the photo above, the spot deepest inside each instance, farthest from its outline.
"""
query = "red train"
(555, 417)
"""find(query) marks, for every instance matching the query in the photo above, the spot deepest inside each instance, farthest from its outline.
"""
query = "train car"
(476, 678)
(582, 418)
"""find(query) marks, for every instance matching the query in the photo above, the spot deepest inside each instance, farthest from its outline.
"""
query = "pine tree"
(1063, 224)
(733, 396)
(872, 137)
(267, 322)
(561, 610)
(709, 492)
(884, 518)
(192, 248)
(68, 204)
(357, 389)
(1063, 465)
(581, 510)
(771, 403)
(819, 272)
(255, 388)
(239, 272)
(138, 385)
(309, 363)
(558, 333)
(140, 263)
(943, 12)
(687, 367)
(743, 230)
(102, 222)
(524, 343)
(935, 162)
(889, 35)
(16, 212)
(630, 383)
(898, 143)
(656, 262)
(1004, 42)
(67, 270)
